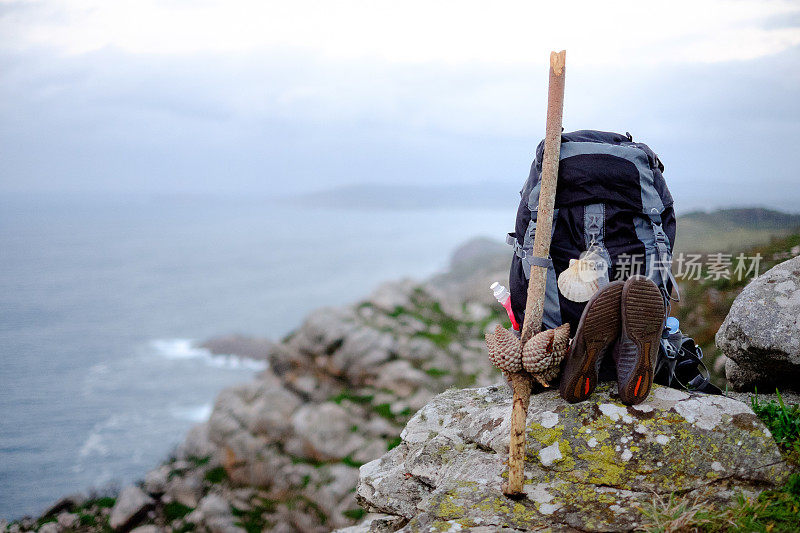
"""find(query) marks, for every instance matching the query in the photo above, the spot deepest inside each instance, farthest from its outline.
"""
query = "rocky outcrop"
(240, 345)
(761, 335)
(282, 452)
(591, 466)
(336, 395)
(131, 506)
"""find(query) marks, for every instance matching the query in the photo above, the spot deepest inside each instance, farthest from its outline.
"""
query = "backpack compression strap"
(544, 262)
(664, 257)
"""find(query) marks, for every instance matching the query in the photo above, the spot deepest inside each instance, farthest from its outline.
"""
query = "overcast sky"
(290, 96)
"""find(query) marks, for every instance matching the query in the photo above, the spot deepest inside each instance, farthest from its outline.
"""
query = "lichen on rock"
(589, 466)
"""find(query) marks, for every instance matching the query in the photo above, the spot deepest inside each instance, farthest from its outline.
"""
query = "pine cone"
(504, 349)
(543, 353)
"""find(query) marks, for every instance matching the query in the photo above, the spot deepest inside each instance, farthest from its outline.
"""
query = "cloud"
(275, 119)
(273, 123)
(506, 32)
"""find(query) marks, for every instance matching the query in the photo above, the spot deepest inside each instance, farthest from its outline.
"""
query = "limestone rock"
(185, 485)
(323, 432)
(240, 345)
(130, 507)
(197, 443)
(156, 481)
(67, 520)
(248, 417)
(761, 334)
(400, 377)
(217, 516)
(393, 294)
(589, 465)
(363, 349)
(376, 523)
(147, 529)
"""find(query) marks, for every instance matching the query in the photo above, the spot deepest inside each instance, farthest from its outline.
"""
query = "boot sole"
(598, 328)
(642, 322)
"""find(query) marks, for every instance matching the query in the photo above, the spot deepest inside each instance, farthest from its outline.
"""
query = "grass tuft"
(392, 443)
(355, 514)
(773, 511)
(675, 514)
(783, 422)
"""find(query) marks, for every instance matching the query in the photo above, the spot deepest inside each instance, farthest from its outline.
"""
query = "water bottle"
(503, 296)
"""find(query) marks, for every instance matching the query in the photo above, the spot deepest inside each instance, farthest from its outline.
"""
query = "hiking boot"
(598, 328)
(636, 353)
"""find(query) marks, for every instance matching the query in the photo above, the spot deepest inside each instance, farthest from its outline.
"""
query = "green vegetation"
(175, 510)
(216, 475)
(296, 459)
(253, 520)
(729, 230)
(385, 410)
(355, 514)
(349, 396)
(199, 461)
(105, 501)
(301, 504)
(44, 520)
(86, 519)
(784, 424)
(392, 443)
(349, 461)
(773, 511)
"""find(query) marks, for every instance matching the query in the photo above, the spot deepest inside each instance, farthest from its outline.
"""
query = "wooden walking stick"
(534, 307)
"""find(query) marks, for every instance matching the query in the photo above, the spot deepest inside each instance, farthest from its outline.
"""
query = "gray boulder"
(157, 480)
(322, 432)
(240, 345)
(67, 520)
(147, 529)
(216, 515)
(197, 444)
(590, 465)
(761, 334)
(131, 506)
(185, 489)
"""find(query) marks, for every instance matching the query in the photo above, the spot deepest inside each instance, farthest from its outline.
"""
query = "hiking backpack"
(610, 196)
(610, 193)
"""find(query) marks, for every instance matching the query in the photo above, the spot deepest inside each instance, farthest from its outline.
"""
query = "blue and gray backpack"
(611, 194)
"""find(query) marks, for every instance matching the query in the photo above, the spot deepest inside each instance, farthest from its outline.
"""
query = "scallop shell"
(504, 349)
(574, 284)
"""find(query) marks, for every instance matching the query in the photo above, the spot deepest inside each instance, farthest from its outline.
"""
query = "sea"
(105, 298)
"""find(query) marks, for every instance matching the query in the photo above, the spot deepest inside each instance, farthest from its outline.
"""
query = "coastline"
(474, 264)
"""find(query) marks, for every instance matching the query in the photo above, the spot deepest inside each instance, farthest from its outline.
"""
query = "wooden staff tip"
(557, 61)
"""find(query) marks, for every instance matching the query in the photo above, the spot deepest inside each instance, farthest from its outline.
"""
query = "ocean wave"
(178, 349)
(194, 413)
